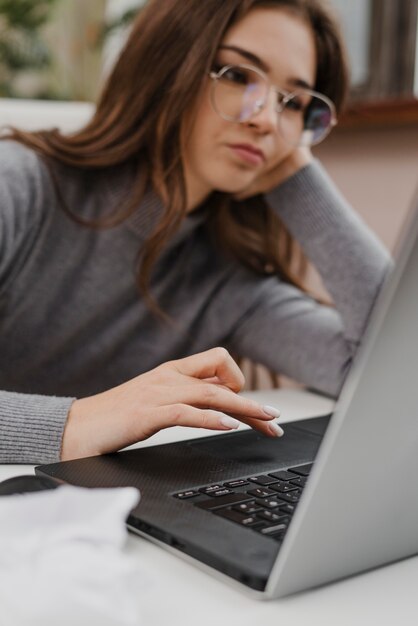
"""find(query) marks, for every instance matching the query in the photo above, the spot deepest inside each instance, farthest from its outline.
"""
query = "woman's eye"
(235, 75)
(294, 104)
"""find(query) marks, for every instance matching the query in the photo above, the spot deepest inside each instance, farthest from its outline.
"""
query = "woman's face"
(215, 157)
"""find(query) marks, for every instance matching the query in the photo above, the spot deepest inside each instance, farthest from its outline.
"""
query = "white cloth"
(62, 560)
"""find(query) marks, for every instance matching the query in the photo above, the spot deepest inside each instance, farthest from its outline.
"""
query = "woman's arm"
(199, 391)
(31, 427)
(286, 329)
(351, 260)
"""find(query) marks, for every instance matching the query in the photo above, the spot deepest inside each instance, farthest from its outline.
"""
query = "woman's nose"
(267, 119)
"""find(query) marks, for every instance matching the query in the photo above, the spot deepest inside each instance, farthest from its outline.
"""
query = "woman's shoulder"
(24, 176)
(18, 162)
(25, 187)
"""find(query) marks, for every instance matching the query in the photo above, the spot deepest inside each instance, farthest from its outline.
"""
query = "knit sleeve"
(22, 190)
(31, 426)
(291, 332)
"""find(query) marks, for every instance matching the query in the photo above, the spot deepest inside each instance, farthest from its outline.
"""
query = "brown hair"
(138, 122)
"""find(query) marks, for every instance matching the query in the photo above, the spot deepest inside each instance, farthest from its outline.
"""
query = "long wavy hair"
(138, 120)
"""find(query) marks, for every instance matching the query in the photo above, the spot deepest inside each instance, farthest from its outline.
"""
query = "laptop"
(335, 496)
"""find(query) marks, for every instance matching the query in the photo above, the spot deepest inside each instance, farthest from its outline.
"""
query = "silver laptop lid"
(359, 509)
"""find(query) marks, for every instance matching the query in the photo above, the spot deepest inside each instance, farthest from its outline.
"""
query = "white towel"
(62, 559)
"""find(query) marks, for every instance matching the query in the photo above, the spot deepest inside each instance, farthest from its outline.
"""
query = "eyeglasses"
(240, 92)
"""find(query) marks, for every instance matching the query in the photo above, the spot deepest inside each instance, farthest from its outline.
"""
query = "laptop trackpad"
(299, 444)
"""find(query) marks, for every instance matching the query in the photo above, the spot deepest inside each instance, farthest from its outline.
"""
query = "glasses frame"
(281, 102)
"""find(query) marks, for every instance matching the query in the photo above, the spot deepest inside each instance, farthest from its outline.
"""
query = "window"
(381, 36)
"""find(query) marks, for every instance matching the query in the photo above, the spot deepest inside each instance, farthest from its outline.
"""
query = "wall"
(377, 171)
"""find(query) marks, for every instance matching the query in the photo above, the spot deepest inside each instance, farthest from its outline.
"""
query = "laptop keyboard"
(264, 503)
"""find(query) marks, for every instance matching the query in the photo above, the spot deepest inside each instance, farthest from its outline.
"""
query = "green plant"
(21, 45)
(123, 21)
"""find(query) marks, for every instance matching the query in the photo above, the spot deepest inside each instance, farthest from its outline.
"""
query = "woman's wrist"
(75, 443)
(297, 160)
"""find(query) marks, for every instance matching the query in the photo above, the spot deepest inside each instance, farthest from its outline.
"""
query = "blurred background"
(62, 49)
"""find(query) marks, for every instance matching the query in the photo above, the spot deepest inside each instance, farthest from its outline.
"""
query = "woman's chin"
(234, 187)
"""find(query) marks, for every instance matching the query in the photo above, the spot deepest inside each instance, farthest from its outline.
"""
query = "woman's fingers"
(186, 415)
(221, 380)
(271, 428)
(198, 391)
(216, 363)
(216, 397)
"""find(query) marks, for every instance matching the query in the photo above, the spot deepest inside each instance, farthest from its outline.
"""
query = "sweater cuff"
(32, 427)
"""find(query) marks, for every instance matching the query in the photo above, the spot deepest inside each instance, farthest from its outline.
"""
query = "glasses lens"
(238, 93)
(306, 118)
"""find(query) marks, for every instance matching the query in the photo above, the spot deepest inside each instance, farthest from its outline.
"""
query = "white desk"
(178, 594)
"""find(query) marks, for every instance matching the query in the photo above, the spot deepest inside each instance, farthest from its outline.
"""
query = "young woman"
(132, 250)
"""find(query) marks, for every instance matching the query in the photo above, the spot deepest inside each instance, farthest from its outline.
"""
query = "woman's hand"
(199, 390)
(277, 173)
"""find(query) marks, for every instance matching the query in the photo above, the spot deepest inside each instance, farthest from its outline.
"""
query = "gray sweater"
(72, 323)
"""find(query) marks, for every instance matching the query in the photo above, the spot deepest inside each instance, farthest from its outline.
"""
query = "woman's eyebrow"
(299, 82)
(250, 56)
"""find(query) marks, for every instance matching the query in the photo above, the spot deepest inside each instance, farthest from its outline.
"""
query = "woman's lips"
(248, 153)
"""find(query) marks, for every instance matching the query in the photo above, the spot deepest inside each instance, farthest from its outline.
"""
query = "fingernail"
(276, 430)
(229, 422)
(271, 410)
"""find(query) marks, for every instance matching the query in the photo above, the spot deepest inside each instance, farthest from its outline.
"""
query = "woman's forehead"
(283, 42)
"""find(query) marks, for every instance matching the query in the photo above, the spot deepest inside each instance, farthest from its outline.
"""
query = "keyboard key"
(269, 530)
(220, 501)
(239, 518)
(236, 483)
(283, 487)
(262, 480)
(248, 507)
(183, 495)
(220, 493)
(288, 508)
(300, 481)
(303, 470)
(291, 496)
(272, 516)
(261, 492)
(282, 475)
(209, 490)
(269, 503)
